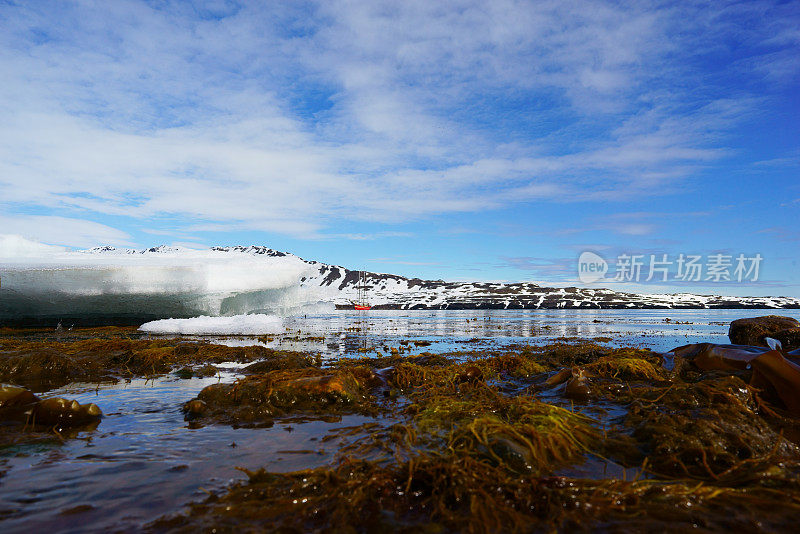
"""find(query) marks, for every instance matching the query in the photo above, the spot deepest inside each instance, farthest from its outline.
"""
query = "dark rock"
(753, 330)
(184, 373)
(195, 407)
(789, 338)
(577, 387)
(471, 374)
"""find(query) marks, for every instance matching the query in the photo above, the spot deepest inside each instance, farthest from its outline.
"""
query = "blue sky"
(458, 140)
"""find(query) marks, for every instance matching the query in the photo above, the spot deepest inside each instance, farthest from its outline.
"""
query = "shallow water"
(143, 461)
(346, 332)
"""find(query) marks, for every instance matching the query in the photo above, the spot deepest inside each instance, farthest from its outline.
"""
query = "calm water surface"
(143, 461)
(659, 330)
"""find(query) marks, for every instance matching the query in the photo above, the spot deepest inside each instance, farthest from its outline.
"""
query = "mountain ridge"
(503, 295)
(163, 281)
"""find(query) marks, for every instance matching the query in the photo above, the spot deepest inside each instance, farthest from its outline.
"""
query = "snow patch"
(39, 280)
(246, 325)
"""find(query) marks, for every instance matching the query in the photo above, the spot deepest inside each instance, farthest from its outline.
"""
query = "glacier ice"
(108, 285)
(40, 280)
(253, 324)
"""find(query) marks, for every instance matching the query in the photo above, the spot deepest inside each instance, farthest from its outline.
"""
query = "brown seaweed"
(44, 363)
(461, 494)
(477, 441)
(25, 417)
(772, 372)
(262, 397)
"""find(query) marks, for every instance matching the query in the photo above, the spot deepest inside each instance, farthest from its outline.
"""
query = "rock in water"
(789, 338)
(772, 369)
(195, 408)
(471, 374)
(577, 387)
(753, 330)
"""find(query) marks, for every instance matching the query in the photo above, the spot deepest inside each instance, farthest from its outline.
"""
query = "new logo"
(591, 267)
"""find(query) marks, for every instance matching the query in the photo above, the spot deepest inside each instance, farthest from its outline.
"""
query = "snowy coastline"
(161, 282)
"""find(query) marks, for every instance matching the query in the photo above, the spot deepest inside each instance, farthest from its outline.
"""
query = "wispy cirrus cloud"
(551, 270)
(286, 118)
(65, 231)
(640, 223)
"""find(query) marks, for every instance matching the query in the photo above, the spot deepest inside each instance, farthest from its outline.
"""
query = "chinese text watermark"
(713, 268)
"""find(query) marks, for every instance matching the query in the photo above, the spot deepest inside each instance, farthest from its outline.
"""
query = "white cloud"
(62, 231)
(137, 111)
(15, 245)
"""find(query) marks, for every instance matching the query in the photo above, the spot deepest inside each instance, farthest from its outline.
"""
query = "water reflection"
(143, 461)
(344, 333)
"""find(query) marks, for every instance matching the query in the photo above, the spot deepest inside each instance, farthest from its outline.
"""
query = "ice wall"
(40, 280)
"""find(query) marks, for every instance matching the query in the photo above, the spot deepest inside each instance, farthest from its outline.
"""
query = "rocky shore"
(566, 436)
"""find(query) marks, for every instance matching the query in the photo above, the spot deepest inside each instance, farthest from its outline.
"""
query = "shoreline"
(575, 432)
(135, 319)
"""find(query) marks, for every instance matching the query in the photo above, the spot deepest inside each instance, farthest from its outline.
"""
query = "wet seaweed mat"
(432, 494)
(42, 361)
(479, 440)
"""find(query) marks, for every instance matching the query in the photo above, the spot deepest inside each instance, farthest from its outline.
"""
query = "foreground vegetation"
(561, 437)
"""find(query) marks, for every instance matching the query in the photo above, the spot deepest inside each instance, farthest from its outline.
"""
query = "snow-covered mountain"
(121, 284)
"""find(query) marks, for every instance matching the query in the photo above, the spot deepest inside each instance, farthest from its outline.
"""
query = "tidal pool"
(144, 460)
